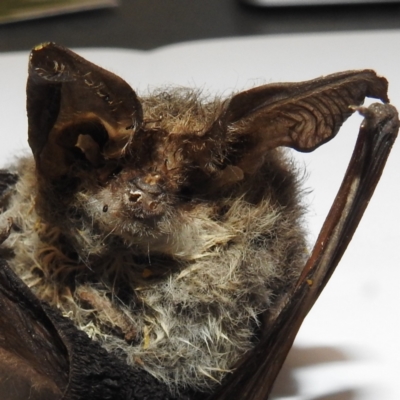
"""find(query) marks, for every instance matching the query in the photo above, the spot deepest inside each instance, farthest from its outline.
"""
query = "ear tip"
(41, 48)
(38, 56)
(49, 61)
(379, 86)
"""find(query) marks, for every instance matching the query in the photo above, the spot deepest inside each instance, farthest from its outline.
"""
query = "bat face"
(145, 192)
(165, 226)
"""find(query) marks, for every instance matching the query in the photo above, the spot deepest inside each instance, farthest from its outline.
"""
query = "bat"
(153, 246)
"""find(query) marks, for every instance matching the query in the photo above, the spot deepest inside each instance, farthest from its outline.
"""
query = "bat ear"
(76, 109)
(298, 115)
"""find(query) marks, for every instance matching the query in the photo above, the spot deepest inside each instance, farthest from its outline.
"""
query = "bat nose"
(148, 201)
(144, 203)
(145, 197)
(135, 196)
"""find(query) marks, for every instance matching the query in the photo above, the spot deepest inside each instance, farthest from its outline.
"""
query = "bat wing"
(34, 360)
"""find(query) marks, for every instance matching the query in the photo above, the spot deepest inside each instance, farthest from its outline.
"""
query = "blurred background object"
(17, 10)
(148, 24)
(282, 3)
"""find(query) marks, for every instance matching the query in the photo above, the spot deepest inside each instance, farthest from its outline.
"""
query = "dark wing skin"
(255, 376)
(34, 360)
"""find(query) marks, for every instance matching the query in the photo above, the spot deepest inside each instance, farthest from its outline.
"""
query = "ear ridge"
(301, 115)
(65, 90)
(247, 102)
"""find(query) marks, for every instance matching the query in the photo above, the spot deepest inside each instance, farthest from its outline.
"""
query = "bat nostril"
(135, 196)
(152, 205)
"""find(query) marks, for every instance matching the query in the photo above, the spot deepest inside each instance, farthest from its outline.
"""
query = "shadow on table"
(286, 384)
